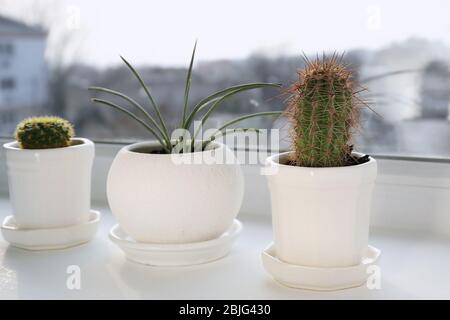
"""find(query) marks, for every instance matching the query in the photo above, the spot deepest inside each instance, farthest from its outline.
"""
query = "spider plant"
(205, 107)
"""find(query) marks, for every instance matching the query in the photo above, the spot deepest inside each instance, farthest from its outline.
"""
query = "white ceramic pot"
(50, 188)
(321, 215)
(165, 198)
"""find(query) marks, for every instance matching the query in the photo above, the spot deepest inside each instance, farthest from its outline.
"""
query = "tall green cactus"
(44, 133)
(323, 109)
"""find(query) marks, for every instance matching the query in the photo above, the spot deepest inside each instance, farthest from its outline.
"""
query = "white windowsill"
(413, 265)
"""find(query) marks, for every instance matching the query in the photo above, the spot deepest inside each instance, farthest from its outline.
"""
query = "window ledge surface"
(413, 265)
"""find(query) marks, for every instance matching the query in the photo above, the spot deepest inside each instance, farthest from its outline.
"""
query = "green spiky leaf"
(188, 86)
(133, 116)
(149, 95)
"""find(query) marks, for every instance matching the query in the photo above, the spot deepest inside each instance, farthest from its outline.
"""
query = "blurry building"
(429, 133)
(435, 90)
(23, 72)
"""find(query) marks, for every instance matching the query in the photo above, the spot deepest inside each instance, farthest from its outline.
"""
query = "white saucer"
(176, 254)
(51, 238)
(316, 278)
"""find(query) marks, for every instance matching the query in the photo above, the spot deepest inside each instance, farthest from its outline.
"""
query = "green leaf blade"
(217, 95)
(133, 102)
(133, 116)
(149, 95)
(188, 86)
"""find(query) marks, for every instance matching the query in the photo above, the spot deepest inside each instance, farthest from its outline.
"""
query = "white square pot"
(50, 188)
(320, 215)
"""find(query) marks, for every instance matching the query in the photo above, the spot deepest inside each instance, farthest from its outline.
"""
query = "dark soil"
(157, 152)
(350, 161)
(353, 161)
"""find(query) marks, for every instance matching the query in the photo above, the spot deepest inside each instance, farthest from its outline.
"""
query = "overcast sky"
(163, 32)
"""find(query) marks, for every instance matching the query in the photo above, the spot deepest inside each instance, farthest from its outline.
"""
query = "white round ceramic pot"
(174, 198)
(50, 188)
(320, 215)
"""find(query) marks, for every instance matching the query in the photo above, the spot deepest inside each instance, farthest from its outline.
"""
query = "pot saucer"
(50, 238)
(316, 278)
(183, 254)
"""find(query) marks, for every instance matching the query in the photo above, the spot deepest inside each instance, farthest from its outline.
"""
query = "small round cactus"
(44, 133)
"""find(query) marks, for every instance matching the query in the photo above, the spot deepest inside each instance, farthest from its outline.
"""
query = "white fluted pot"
(50, 188)
(168, 198)
(320, 215)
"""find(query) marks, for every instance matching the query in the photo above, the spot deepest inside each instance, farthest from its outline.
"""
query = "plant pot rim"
(274, 160)
(155, 145)
(82, 143)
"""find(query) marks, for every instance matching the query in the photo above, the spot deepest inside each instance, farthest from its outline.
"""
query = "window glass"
(51, 51)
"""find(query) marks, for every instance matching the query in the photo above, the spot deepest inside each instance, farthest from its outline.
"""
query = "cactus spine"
(323, 109)
(44, 133)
